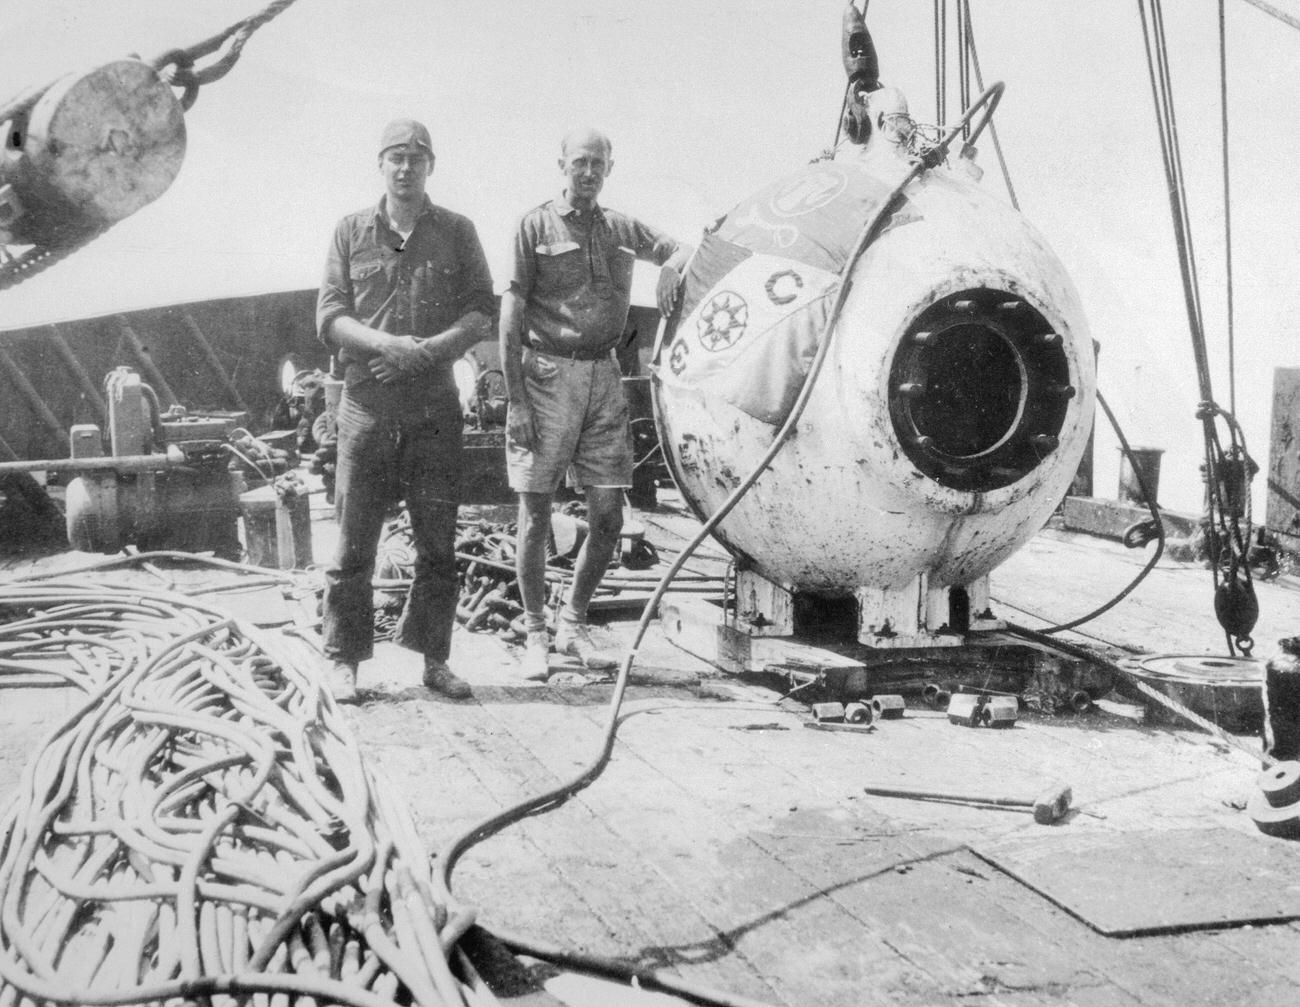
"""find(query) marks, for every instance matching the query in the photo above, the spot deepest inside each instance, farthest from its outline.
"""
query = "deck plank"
(728, 844)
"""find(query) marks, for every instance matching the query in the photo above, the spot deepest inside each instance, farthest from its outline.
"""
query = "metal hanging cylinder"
(92, 149)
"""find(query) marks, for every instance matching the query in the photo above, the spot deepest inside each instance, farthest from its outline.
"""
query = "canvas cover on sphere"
(761, 286)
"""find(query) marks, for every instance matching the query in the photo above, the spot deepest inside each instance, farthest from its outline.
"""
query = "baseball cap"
(405, 132)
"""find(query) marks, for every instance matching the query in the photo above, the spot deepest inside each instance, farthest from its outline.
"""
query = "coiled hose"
(202, 825)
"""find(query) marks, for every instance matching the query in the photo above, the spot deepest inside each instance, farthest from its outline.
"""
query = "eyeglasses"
(398, 159)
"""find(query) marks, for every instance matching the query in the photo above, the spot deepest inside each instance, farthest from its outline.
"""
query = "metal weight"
(888, 707)
(971, 709)
(828, 712)
(1275, 804)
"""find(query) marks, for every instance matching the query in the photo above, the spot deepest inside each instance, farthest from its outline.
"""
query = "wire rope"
(1227, 473)
(1227, 210)
(993, 129)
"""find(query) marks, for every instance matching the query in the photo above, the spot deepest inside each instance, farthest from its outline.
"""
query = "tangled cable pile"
(490, 600)
(203, 825)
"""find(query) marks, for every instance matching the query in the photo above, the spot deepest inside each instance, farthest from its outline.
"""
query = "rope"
(1235, 603)
(1146, 689)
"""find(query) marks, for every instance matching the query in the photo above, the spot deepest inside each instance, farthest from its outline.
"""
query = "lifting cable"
(1142, 532)
(1227, 208)
(656, 979)
(979, 83)
(963, 60)
(1227, 472)
(940, 62)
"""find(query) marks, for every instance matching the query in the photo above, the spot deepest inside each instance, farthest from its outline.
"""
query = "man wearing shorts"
(406, 292)
(561, 318)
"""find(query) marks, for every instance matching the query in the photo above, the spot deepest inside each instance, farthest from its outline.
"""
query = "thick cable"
(1149, 496)
(556, 796)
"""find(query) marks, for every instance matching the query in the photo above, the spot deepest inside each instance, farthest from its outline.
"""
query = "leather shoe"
(536, 665)
(574, 639)
(342, 681)
(439, 678)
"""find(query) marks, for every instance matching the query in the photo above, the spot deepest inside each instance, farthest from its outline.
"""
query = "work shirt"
(573, 270)
(419, 288)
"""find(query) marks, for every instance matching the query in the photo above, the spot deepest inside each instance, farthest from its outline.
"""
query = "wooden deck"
(727, 843)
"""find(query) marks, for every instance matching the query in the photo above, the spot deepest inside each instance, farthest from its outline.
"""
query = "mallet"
(1048, 807)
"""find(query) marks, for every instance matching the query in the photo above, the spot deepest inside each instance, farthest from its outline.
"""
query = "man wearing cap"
(561, 318)
(406, 293)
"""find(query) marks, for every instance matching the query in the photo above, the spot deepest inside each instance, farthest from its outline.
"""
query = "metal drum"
(1226, 690)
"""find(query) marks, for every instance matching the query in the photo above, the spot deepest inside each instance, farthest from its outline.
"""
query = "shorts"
(580, 420)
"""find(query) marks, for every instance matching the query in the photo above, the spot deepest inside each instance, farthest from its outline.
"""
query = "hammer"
(1048, 807)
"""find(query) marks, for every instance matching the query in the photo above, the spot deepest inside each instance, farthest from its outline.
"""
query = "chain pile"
(203, 826)
(489, 587)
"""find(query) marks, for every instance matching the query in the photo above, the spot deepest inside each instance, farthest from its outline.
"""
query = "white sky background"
(706, 100)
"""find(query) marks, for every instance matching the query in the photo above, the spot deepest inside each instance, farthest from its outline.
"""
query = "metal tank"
(949, 418)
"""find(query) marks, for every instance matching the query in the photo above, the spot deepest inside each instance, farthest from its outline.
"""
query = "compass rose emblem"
(677, 359)
(723, 321)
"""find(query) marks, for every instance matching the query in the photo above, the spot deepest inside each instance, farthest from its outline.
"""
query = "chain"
(177, 66)
(16, 268)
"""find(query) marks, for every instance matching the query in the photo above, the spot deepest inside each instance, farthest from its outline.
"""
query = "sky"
(706, 102)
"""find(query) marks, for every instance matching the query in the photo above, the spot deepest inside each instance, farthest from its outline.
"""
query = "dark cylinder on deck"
(1282, 701)
(1147, 462)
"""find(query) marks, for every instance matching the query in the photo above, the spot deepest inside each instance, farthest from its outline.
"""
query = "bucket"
(1147, 461)
(277, 533)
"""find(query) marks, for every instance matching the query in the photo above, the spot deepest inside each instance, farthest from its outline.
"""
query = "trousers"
(414, 456)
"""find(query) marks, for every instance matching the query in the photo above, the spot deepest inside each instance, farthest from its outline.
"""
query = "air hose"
(656, 979)
(1148, 494)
